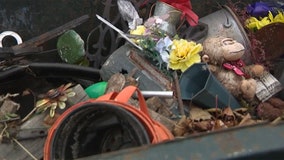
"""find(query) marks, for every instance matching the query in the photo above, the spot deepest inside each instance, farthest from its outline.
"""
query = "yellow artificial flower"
(270, 16)
(253, 23)
(140, 30)
(183, 54)
(279, 17)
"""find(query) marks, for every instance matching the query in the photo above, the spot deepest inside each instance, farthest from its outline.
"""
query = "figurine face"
(232, 50)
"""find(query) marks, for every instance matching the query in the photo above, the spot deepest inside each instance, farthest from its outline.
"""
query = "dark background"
(30, 18)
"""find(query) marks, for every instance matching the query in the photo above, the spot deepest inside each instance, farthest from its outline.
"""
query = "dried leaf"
(276, 102)
(228, 117)
(267, 111)
(241, 110)
(247, 120)
(219, 124)
(228, 112)
(181, 127)
(203, 126)
(215, 112)
(276, 121)
(198, 114)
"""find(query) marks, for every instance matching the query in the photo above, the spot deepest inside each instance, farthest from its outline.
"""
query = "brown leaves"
(200, 120)
(228, 117)
(267, 111)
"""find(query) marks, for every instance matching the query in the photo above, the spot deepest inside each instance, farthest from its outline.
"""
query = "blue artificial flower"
(162, 47)
(259, 9)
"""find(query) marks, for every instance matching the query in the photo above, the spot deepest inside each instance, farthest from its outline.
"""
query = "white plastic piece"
(10, 33)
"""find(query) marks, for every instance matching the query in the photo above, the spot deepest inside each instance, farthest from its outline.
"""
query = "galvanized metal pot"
(169, 26)
(225, 23)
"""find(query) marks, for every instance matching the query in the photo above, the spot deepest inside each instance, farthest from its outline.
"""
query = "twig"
(29, 115)
(180, 102)
(276, 121)
(4, 129)
(25, 149)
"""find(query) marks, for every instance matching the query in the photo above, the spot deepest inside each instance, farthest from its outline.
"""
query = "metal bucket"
(169, 26)
(225, 23)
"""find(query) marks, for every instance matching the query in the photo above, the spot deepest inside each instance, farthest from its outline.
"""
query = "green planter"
(200, 86)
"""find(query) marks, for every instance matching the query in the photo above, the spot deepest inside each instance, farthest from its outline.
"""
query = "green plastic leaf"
(96, 90)
(71, 47)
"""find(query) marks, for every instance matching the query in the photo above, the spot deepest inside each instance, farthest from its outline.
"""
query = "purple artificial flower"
(259, 9)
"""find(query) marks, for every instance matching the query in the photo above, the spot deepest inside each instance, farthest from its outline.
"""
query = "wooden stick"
(39, 40)
(178, 94)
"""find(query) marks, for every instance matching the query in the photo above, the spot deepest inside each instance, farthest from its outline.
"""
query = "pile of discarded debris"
(177, 78)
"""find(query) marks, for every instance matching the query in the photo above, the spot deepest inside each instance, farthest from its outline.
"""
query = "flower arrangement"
(262, 14)
(177, 54)
(261, 20)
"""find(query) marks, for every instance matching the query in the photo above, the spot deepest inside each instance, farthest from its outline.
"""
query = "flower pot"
(201, 87)
(169, 25)
(271, 38)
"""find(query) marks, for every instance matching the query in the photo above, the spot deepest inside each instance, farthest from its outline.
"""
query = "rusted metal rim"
(271, 38)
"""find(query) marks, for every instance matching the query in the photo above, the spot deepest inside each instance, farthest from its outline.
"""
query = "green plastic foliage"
(96, 90)
(71, 47)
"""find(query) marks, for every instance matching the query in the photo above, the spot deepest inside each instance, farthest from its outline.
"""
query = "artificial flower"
(164, 51)
(163, 47)
(140, 30)
(259, 9)
(255, 24)
(279, 17)
(183, 54)
(55, 98)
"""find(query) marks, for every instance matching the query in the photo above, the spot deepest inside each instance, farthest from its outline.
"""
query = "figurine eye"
(227, 41)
